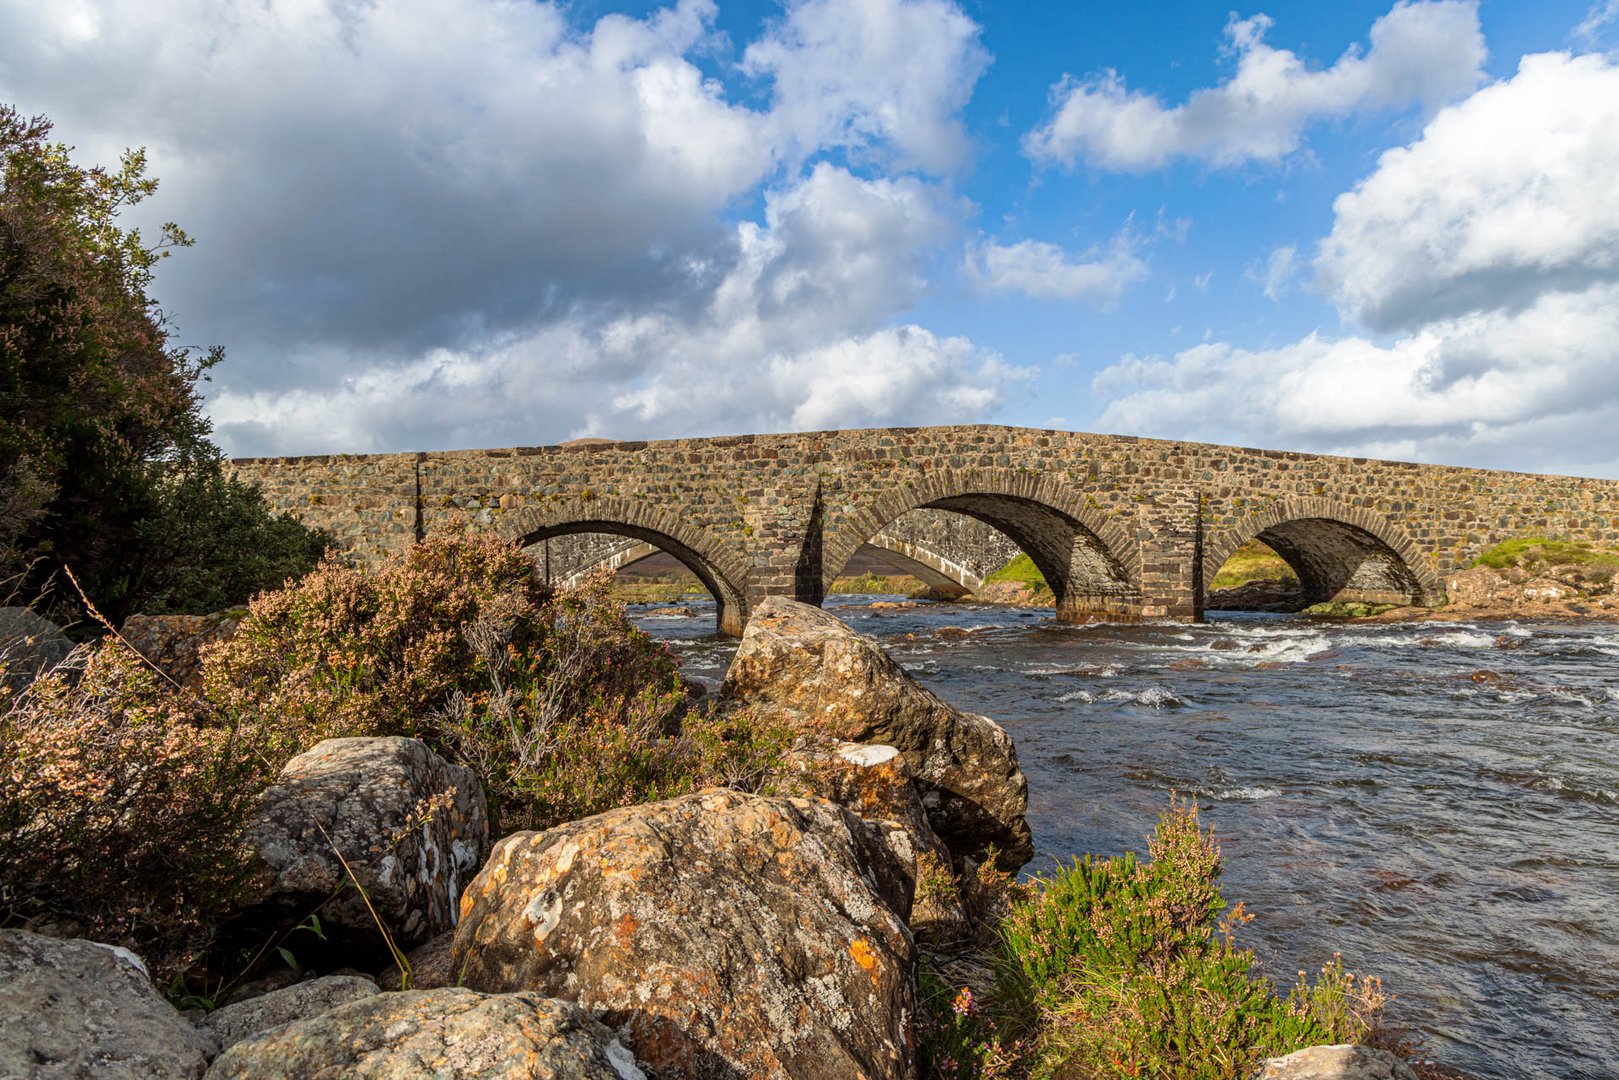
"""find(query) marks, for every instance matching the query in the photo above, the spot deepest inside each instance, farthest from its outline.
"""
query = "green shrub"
(1124, 968)
(121, 809)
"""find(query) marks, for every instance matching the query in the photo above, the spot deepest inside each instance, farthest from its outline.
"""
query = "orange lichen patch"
(865, 956)
(624, 929)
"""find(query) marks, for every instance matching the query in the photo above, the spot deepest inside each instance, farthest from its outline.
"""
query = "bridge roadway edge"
(771, 513)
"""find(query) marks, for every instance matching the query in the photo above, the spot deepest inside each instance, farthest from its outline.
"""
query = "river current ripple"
(1439, 802)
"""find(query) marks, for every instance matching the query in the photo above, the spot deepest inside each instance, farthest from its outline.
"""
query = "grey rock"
(232, 1023)
(429, 966)
(30, 645)
(362, 793)
(77, 1010)
(445, 1034)
(1338, 1062)
(803, 666)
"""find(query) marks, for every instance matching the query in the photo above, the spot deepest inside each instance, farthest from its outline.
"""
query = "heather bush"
(121, 811)
(353, 651)
(1128, 968)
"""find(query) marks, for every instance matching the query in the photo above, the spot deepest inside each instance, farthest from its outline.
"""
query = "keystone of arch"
(1430, 590)
(914, 491)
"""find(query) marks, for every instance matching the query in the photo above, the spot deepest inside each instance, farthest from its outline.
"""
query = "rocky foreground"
(719, 934)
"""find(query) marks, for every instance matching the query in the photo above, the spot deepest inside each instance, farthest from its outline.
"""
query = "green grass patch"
(881, 584)
(1022, 570)
(1254, 561)
(1347, 609)
(1538, 552)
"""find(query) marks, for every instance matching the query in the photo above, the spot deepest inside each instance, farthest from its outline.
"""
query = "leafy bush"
(1119, 967)
(121, 811)
(104, 457)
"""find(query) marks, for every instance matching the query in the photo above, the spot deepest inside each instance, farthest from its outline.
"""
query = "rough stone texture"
(76, 1010)
(803, 665)
(175, 642)
(874, 782)
(1341, 1062)
(447, 1034)
(29, 645)
(728, 935)
(233, 1023)
(362, 792)
(429, 966)
(1121, 527)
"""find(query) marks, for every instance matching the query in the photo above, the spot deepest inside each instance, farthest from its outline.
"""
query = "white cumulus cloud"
(1426, 52)
(1046, 271)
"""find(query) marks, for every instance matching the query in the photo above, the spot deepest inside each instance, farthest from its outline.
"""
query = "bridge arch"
(1089, 560)
(721, 567)
(1339, 552)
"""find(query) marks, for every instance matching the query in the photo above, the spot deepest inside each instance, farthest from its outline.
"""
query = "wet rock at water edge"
(804, 666)
(1340, 1062)
(446, 1034)
(232, 1023)
(77, 1010)
(724, 934)
(364, 797)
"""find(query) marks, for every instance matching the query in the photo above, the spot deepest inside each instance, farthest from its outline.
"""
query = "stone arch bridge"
(1122, 528)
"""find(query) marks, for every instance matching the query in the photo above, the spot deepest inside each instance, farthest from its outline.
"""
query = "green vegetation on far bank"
(1535, 553)
(1253, 561)
(1021, 570)
(881, 584)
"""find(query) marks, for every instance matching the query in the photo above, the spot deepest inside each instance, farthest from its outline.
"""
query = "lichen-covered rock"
(367, 795)
(446, 1034)
(874, 782)
(726, 934)
(175, 643)
(76, 1010)
(233, 1023)
(1340, 1062)
(803, 666)
(30, 645)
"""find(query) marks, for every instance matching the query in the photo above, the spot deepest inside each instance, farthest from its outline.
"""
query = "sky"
(1355, 228)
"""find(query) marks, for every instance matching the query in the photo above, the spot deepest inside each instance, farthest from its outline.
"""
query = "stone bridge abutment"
(1122, 528)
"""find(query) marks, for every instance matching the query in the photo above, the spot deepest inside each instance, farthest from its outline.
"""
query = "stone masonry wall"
(781, 513)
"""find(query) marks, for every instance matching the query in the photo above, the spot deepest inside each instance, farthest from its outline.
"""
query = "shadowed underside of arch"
(721, 570)
(1339, 552)
(1089, 561)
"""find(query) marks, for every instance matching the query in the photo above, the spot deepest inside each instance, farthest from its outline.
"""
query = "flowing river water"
(1439, 802)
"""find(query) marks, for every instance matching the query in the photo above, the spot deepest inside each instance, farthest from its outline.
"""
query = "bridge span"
(1122, 528)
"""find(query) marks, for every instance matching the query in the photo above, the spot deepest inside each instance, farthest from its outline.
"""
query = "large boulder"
(300, 1001)
(1338, 1062)
(30, 645)
(446, 1034)
(803, 666)
(175, 643)
(726, 934)
(76, 1010)
(366, 798)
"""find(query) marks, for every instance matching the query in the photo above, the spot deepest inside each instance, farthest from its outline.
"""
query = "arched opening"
(971, 534)
(1290, 558)
(566, 552)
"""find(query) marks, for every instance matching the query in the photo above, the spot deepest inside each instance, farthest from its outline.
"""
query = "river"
(1439, 802)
